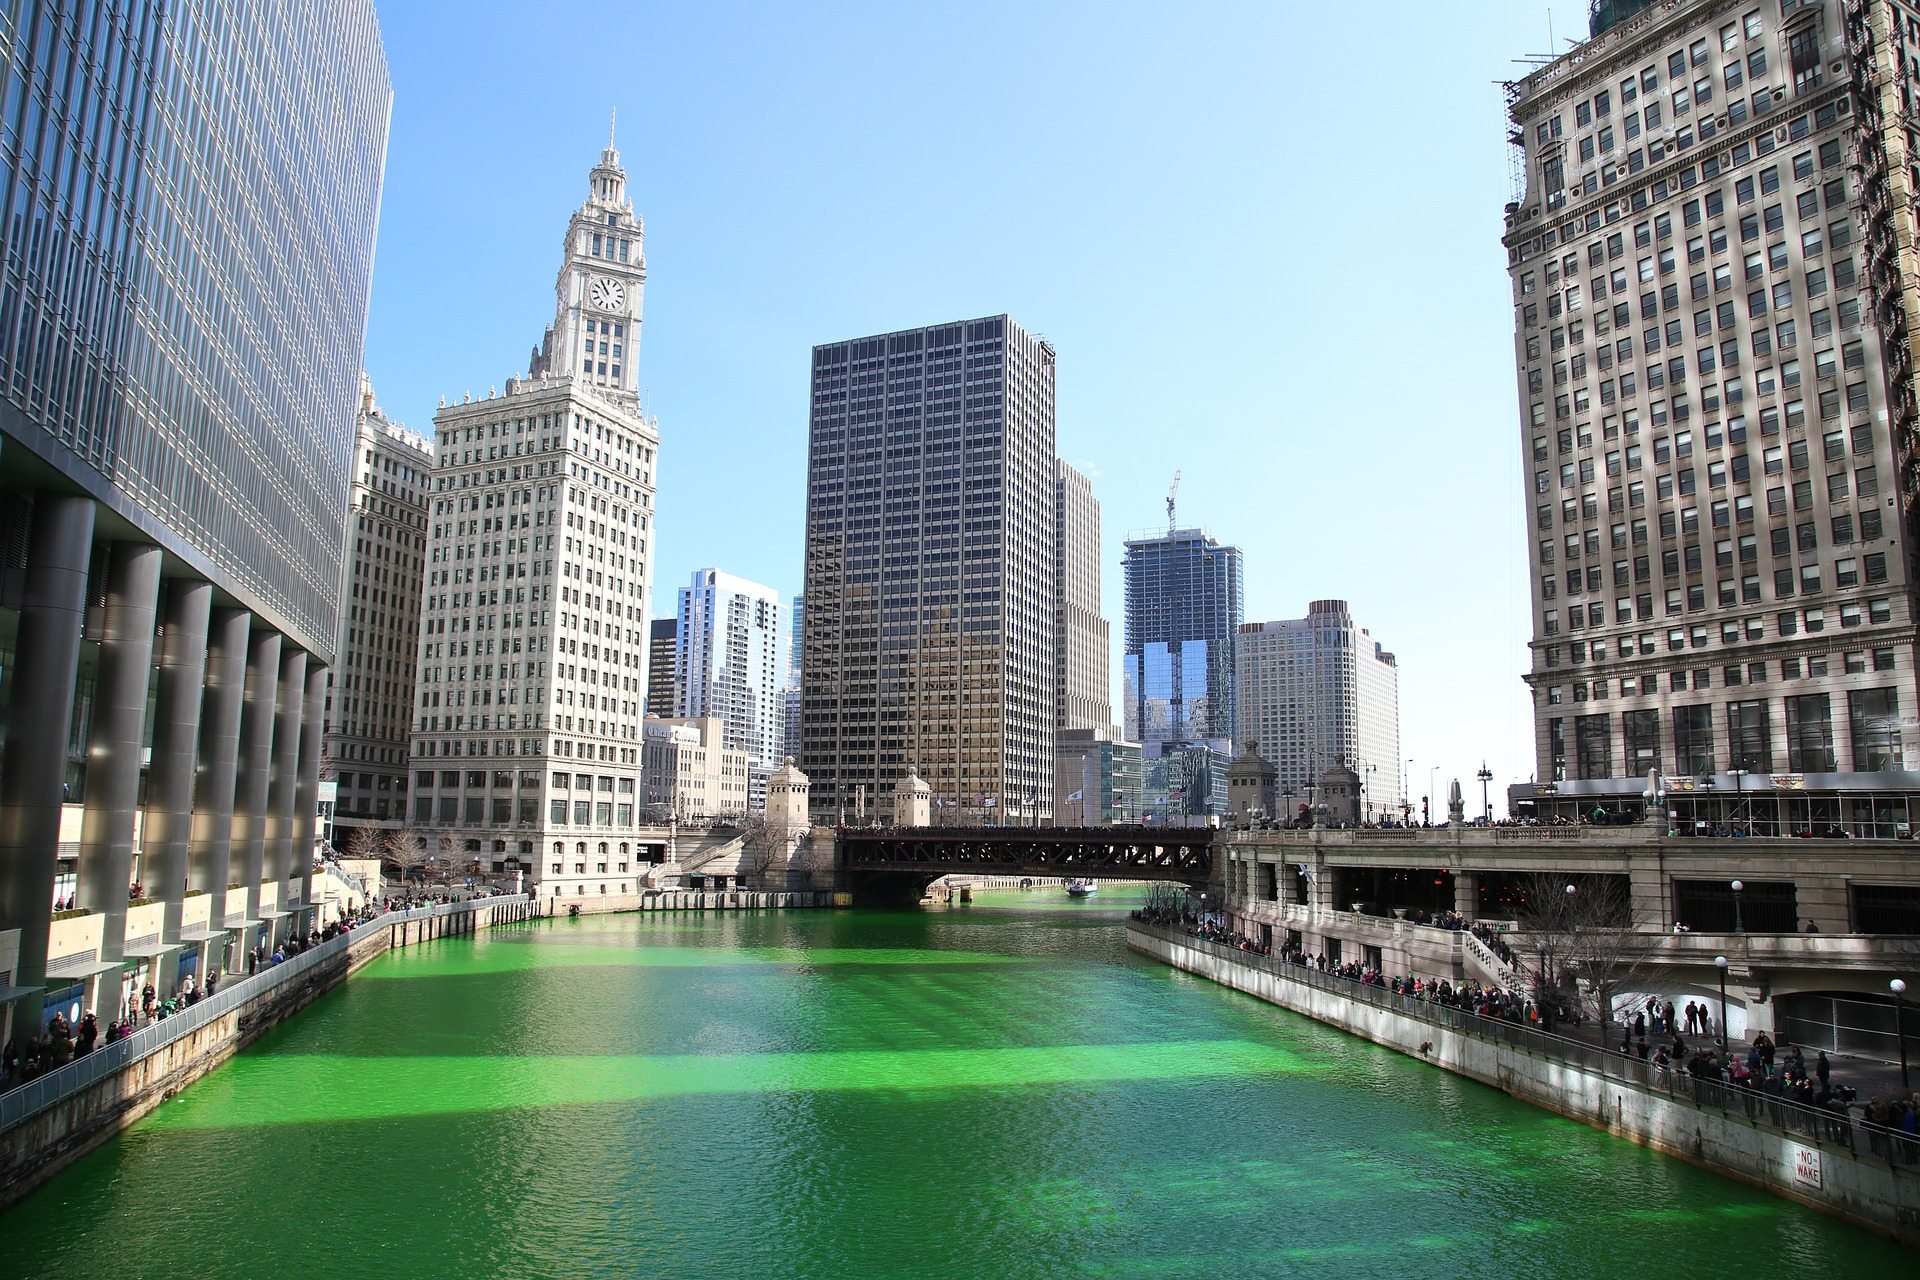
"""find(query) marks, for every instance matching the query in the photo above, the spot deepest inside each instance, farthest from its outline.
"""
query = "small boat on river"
(1081, 888)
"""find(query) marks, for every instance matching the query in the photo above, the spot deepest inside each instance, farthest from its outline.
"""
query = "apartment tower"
(730, 664)
(1319, 691)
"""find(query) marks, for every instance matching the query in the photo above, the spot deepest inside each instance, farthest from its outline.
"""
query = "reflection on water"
(995, 1090)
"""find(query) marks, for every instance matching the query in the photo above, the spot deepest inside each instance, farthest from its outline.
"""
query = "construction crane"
(1173, 491)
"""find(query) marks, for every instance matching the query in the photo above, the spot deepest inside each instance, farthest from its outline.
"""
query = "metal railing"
(29, 1099)
(1834, 1127)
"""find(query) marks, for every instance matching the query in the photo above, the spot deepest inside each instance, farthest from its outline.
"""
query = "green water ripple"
(1001, 1092)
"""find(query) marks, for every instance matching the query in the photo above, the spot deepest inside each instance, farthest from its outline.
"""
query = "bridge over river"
(900, 862)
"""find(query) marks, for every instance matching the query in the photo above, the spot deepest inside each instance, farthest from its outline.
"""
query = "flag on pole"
(1306, 872)
(989, 802)
(1075, 796)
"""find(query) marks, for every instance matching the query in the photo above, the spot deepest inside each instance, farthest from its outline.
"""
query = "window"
(1749, 741)
(1693, 739)
(1809, 734)
(1874, 725)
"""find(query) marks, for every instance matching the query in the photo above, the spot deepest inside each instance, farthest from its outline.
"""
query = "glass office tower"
(190, 195)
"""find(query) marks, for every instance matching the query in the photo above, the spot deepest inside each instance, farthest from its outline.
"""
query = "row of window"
(1873, 728)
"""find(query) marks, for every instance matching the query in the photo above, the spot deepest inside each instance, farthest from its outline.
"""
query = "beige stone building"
(1713, 292)
(688, 770)
(532, 666)
(370, 687)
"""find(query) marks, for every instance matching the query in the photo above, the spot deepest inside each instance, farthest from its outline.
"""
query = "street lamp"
(1706, 783)
(1546, 1004)
(1899, 988)
(1485, 775)
(1720, 963)
(1739, 796)
(1737, 926)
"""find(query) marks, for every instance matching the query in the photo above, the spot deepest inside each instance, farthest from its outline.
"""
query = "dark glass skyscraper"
(930, 593)
(188, 198)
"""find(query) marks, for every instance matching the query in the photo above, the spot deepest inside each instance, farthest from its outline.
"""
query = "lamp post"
(1737, 926)
(1706, 783)
(1720, 963)
(1486, 803)
(1573, 948)
(1546, 1004)
(1899, 988)
(1739, 797)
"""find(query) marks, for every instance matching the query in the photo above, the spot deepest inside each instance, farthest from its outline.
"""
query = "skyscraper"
(526, 745)
(930, 571)
(1319, 691)
(1714, 332)
(1183, 606)
(730, 662)
(663, 654)
(370, 687)
(177, 389)
(1082, 677)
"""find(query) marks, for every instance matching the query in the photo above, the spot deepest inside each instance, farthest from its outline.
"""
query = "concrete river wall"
(1821, 1159)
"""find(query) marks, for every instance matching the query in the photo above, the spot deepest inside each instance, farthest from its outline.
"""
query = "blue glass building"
(1184, 604)
(188, 198)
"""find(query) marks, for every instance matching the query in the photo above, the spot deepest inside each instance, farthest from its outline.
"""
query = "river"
(999, 1090)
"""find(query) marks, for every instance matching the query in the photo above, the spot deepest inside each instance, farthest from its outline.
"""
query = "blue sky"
(1264, 239)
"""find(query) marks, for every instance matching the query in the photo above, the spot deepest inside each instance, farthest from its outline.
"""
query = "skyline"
(1161, 240)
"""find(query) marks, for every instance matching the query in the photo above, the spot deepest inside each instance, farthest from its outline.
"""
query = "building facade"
(1082, 673)
(663, 654)
(730, 664)
(534, 626)
(1184, 602)
(371, 684)
(1097, 781)
(1714, 287)
(1318, 691)
(930, 611)
(689, 770)
(176, 430)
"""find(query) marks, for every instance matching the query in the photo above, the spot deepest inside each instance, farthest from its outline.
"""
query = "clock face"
(608, 295)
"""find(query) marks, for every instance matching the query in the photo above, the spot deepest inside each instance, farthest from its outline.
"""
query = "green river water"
(994, 1091)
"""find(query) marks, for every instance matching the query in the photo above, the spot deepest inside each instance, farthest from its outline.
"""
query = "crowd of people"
(31, 1056)
(1655, 1033)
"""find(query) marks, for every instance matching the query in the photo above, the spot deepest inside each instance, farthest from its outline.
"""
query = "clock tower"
(595, 335)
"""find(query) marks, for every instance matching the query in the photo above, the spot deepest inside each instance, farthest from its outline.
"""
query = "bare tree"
(363, 842)
(1581, 930)
(406, 849)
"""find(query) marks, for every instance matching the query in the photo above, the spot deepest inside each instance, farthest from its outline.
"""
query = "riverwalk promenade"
(1830, 1159)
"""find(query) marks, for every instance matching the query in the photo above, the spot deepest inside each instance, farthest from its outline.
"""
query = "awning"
(66, 977)
(202, 935)
(151, 950)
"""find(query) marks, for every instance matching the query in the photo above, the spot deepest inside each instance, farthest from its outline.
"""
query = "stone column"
(1466, 893)
(210, 857)
(285, 771)
(114, 747)
(168, 829)
(33, 779)
(306, 794)
(256, 762)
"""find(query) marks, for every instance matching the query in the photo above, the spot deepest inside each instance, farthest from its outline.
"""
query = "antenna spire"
(613, 117)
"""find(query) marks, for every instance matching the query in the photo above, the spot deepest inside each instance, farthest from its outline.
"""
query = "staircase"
(1488, 968)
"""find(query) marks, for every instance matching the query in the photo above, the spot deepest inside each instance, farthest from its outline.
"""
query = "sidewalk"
(1866, 1076)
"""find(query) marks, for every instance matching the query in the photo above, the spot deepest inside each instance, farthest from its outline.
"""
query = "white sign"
(1806, 1167)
